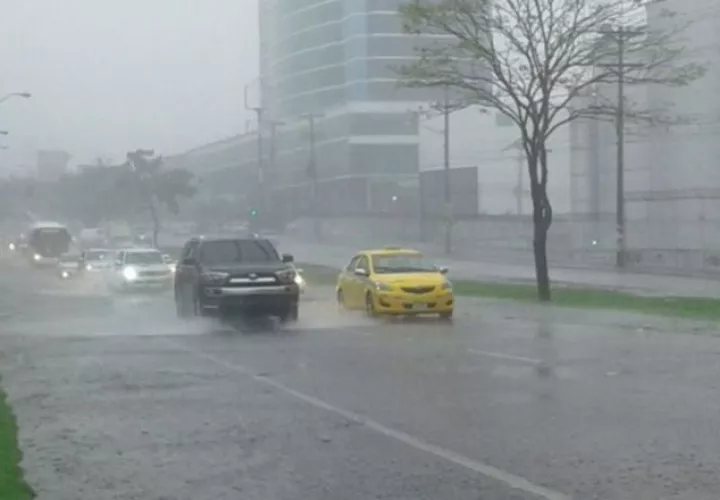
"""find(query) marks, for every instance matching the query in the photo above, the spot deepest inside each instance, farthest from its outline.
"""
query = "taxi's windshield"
(402, 263)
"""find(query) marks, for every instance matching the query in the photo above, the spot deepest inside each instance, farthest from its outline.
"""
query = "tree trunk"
(542, 219)
(542, 276)
(156, 225)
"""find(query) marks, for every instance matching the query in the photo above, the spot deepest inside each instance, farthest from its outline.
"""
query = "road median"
(12, 483)
(573, 296)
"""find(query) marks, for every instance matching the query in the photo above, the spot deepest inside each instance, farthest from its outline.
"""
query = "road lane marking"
(509, 357)
(508, 478)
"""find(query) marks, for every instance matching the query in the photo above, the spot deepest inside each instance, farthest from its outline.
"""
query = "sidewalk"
(640, 284)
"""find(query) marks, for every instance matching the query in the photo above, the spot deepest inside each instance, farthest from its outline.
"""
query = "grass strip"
(12, 484)
(563, 296)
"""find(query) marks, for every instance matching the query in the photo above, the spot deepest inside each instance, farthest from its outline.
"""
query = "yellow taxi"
(395, 281)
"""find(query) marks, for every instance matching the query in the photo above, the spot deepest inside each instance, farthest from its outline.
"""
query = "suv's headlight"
(214, 278)
(130, 273)
(447, 286)
(286, 275)
(383, 287)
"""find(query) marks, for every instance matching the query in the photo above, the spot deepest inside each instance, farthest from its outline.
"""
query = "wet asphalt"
(117, 399)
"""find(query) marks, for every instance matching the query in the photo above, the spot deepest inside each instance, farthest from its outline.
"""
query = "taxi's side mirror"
(362, 272)
(444, 270)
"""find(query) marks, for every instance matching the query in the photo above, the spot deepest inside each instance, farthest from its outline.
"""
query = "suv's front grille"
(253, 279)
(150, 274)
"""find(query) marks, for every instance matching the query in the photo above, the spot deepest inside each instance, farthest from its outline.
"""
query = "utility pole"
(448, 185)
(620, 36)
(312, 174)
(260, 154)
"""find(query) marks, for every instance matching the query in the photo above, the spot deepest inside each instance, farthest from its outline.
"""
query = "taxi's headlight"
(286, 276)
(447, 286)
(130, 273)
(382, 287)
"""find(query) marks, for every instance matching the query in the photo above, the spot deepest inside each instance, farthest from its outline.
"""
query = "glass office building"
(337, 60)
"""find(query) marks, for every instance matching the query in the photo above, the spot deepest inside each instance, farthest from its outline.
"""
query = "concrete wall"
(488, 141)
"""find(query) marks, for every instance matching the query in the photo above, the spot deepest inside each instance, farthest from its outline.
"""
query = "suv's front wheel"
(290, 315)
(181, 306)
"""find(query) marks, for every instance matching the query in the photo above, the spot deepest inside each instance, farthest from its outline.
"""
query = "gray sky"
(108, 76)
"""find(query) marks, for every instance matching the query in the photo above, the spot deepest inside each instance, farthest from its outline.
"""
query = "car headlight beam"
(130, 273)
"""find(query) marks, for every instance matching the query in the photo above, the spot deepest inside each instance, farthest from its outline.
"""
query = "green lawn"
(682, 307)
(12, 485)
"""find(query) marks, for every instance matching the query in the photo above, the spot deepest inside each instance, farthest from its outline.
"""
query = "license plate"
(420, 307)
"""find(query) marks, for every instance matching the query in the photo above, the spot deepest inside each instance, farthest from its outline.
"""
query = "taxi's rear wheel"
(339, 298)
(370, 306)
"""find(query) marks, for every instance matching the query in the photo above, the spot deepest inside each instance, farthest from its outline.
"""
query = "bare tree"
(531, 59)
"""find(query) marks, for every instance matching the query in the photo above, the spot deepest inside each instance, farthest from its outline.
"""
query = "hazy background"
(111, 75)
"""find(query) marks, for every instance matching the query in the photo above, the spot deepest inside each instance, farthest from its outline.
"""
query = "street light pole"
(447, 173)
(313, 173)
(260, 153)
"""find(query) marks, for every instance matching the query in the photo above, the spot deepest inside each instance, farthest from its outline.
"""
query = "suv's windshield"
(223, 252)
(144, 258)
(402, 263)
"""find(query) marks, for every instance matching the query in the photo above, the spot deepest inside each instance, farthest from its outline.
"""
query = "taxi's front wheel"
(370, 306)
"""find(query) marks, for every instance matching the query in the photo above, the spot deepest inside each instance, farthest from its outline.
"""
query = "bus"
(47, 241)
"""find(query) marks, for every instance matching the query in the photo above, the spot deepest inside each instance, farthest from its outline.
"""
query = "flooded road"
(509, 402)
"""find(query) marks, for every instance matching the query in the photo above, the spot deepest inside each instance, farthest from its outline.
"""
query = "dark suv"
(228, 276)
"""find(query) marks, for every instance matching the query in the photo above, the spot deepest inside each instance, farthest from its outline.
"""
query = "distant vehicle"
(46, 242)
(92, 237)
(140, 269)
(69, 265)
(97, 259)
(235, 276)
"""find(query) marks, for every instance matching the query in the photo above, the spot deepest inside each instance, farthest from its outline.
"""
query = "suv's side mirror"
(189, 262)
(287, 258)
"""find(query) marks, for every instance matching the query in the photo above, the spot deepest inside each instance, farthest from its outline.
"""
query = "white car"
(68, 265)
(97, 259)
(140, 269)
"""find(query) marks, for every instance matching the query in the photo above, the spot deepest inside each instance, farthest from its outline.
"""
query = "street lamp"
(24, 95)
